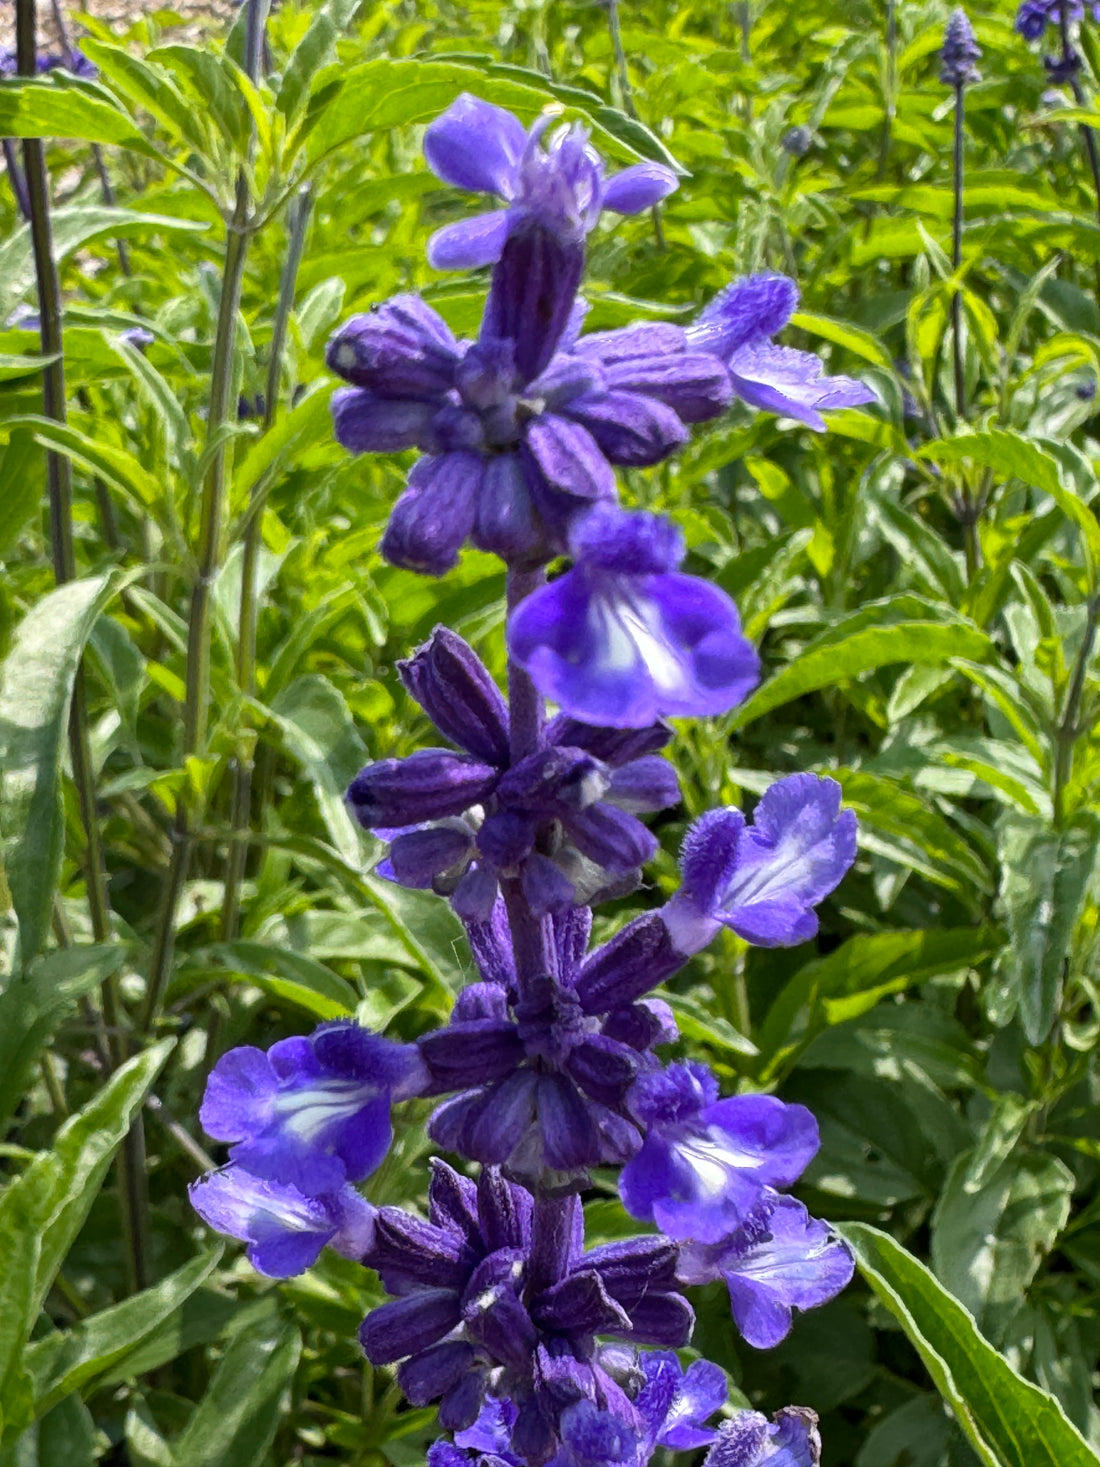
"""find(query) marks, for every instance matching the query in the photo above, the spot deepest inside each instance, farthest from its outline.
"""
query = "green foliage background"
(943, 1027)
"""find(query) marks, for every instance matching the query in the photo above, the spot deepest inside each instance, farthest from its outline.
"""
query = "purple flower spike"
(705, 1162)
(284, 1229)
(737, 326)
(781, 1260)
(790, 1439)
(622, 639)
(1034, 16)
(960, 51)
(763, 880)
(555, 181)
(311, 1113)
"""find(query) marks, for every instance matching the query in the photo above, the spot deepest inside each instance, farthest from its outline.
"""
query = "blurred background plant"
(921, 583)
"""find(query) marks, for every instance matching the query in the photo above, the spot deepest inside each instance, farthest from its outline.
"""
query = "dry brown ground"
(196, 16)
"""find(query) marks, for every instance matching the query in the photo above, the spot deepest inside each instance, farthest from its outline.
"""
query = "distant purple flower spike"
(705, 1162)
(1034, 16)
(763, 880)
(781, 1260)
(624, 640)
(790, 1439)
(285, 1230)
(960, 51)
(555, 181)
(737, 326)
(311, 1113)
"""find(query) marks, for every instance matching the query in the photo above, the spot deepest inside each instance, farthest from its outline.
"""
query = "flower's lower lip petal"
(285, 1255)
(471, 243)
(476, 146)
(638, 188)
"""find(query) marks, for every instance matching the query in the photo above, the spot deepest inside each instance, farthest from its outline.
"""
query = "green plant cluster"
(922, 583)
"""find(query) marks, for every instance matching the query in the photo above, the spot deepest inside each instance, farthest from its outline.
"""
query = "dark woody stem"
(956, 254)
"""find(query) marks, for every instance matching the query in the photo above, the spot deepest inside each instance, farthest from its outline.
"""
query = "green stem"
(956, 257)
(1068, 731)
(241, 806)
(215, 493)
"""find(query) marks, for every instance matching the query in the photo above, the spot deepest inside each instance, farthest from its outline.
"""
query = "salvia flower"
(960, 51)
(517, 444)
(790, 1439)
(563, 820)
(781, 1259)
(1034, 16)
(763, 879)
(552, 179)
(705, 1163)
(737, 326)
(624, 639)
(285, 1230)
(543, 1077)
(311, 1113)
(478, 1304)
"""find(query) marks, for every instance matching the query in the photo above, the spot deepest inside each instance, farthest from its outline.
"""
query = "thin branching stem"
(241, 800)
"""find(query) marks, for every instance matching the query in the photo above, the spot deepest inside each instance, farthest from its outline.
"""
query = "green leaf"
(319, 731)
(30, 1011)
(74, 226)
(898, 629)
(1009, 1421)
(235, 1422)
(36, 686)
(69, 109)
(115, 465)
(863, 970)
(65, 1362)
(990, 1234)
(290, 976)
(22, 486)
(43, 1209)
(1044, 881)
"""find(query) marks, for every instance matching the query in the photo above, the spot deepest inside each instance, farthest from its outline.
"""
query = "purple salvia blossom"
(960, 51)
(763, 879)
(705, 1163)
(542, 1079)
(285, 1230)
(1034, 16)
(623, 639)
(517, 444)
(737, 326)
(477, 1300)
(564, 819)
(674, 1403)
(555, 182)
(790, 1439)
(311, 1113)
(781, 1260)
